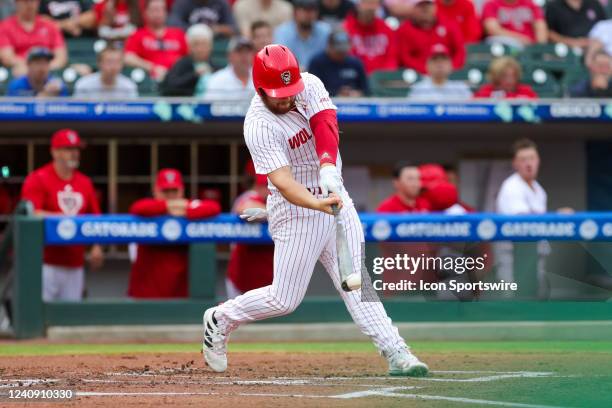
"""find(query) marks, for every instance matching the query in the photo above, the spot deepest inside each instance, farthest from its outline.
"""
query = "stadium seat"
(393, 83)
(543, 82)
(5, 78)
(558, 58)
(69, 76)
(82, 51)
(146, 85)
(218, 57)
(474, 77)
(572, 77)
(480, 55)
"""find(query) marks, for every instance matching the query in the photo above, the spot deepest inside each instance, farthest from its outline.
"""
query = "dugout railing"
(31, 316)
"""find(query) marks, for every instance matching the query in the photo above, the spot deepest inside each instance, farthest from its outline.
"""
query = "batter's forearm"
(297, 194)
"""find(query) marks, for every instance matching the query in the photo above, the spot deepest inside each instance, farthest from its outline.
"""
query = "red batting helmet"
(276, 72)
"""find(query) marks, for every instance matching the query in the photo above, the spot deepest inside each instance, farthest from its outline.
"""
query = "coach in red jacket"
(422, 30)
(160, 271)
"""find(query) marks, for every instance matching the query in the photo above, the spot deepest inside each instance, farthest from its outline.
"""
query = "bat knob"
(352, 282)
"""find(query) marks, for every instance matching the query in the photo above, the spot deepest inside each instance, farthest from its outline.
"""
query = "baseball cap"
(339, 40)
(66, 138)
(438, 49)
(168, 179)
(308, 4)
(40, 53)
(431, 175)
(239, 43)
(442, 196)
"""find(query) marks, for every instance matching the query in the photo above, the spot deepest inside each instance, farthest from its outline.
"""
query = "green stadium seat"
(147, 86)
(480, 55)
(5, 78)
(393, 83)
(543, 82)
(572, 77)
(473, 76)
(558, 58)
(83, 50)
(218, 56)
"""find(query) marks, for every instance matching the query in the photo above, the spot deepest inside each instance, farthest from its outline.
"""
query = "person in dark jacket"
(342, 74)
(182, 78)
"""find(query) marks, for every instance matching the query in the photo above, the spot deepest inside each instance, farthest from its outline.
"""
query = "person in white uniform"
(291, 131)
(522, 194)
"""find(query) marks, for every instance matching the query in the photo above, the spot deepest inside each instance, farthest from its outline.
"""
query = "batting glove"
(331, 182)
(254, 214)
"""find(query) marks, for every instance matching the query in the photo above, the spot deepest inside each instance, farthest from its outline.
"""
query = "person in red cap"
(372, 40)
(160, 271)
(436, 86)
(424, 28)
(58, 188)
(250, 266)
(291, 131)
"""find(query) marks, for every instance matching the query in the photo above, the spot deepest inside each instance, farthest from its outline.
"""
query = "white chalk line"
(385, 391)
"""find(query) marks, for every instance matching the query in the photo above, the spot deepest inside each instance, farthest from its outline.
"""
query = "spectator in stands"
(463, 13)
(569, 21)
(273, 12)
(38, 81)
(601, 38)
(155, 47)
(421, 31)
(235, 81)
(341, 73)
(599, 82)
(74, 17)
(261, 35)
(217, 14)
(7, 8)
(58, 188)
(373, 41)
(504, 81)
(183, 77)
(117, 19)
(436, 86)
(108, 83)
(334, 12)
(407, 185)
(250, 266)
(521, 194)
(516, 23)
(406, 199)
(27, 29)
(161, 271)
(304, 35)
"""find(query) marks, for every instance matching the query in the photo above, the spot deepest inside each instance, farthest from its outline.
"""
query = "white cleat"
(404, 363)
(214, 343)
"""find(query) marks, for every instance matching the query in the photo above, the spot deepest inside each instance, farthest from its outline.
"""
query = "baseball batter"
(291, 131)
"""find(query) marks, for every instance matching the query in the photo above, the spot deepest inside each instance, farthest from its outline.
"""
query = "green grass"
(30, 348)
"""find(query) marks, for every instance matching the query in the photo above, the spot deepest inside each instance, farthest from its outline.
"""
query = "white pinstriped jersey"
(276, 141)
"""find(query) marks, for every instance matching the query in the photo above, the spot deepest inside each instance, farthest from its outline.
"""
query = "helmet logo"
(286, 77)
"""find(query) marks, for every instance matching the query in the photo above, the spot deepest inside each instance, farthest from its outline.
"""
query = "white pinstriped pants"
(301, 237)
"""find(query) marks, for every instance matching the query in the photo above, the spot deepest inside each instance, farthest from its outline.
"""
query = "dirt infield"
(302, 379)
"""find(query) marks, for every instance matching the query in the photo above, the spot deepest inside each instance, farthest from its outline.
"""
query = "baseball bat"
(349, 280)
